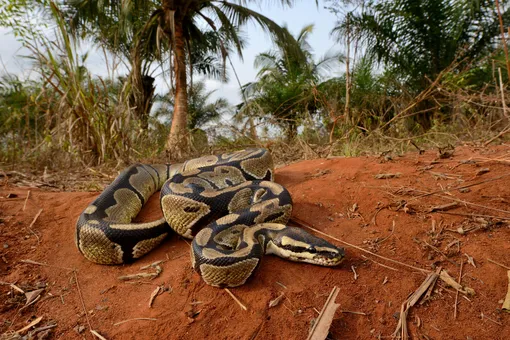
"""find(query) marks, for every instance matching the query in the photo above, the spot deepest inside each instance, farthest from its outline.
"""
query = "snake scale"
(228, 204)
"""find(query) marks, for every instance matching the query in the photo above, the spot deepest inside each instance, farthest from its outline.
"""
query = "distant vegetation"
(411, 73)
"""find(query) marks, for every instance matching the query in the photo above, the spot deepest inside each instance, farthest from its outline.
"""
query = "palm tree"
(179, 22)
(417, 40)
(202, 109)
(287, 81)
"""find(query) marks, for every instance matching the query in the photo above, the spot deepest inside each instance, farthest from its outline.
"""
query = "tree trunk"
(347, 76)
(141, 91)
(177, 144)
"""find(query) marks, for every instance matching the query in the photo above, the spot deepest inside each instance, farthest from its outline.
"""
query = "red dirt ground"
(339, 197)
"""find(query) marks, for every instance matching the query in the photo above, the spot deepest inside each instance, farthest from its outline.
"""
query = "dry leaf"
(454, 284)
(153, 295)
(32, 296)
(275, 302)
(506, 303)
(470, 260)
(13, 286)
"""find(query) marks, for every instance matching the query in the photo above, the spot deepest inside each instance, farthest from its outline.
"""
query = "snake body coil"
(227, 203)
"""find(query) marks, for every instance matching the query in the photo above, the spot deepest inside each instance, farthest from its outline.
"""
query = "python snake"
(228, 204)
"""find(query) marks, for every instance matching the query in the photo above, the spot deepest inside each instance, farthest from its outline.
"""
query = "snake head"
(298, 245)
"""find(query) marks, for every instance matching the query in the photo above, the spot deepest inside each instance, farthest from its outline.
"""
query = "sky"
(304, 12)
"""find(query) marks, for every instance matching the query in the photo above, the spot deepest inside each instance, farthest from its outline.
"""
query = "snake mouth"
(323, 258)
(329, 261)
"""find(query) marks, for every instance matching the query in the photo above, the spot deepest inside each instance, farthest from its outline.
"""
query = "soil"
(342, 197)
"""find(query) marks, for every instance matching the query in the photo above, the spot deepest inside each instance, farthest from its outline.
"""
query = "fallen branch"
(322, 324)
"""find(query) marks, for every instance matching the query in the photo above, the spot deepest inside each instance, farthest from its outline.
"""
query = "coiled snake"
(227, 203)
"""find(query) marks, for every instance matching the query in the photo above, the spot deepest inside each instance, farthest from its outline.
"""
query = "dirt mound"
(397, 207)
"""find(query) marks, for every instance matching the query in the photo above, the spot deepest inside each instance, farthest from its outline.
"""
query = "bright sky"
(304, 12)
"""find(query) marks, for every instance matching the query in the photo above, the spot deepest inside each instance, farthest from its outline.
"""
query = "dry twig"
(33, 222)
(322, 324)
(45, 265)
(401, 330)
(499, 264)
(235, 299)
(97, 335)
(30, 325)
(382, 265)
(457, 293)
(82, 301)
(26, 200)
(305, 225)
(134, 319)
(353, 312)
(153, 295)
(355, 274)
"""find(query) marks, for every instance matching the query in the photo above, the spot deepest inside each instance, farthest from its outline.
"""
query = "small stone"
(6, 246)
(79, 329)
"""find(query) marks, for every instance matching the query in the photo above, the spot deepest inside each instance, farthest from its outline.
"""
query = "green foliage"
(67, 111)
(27, 19)
(419, 39)
(287, 82)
